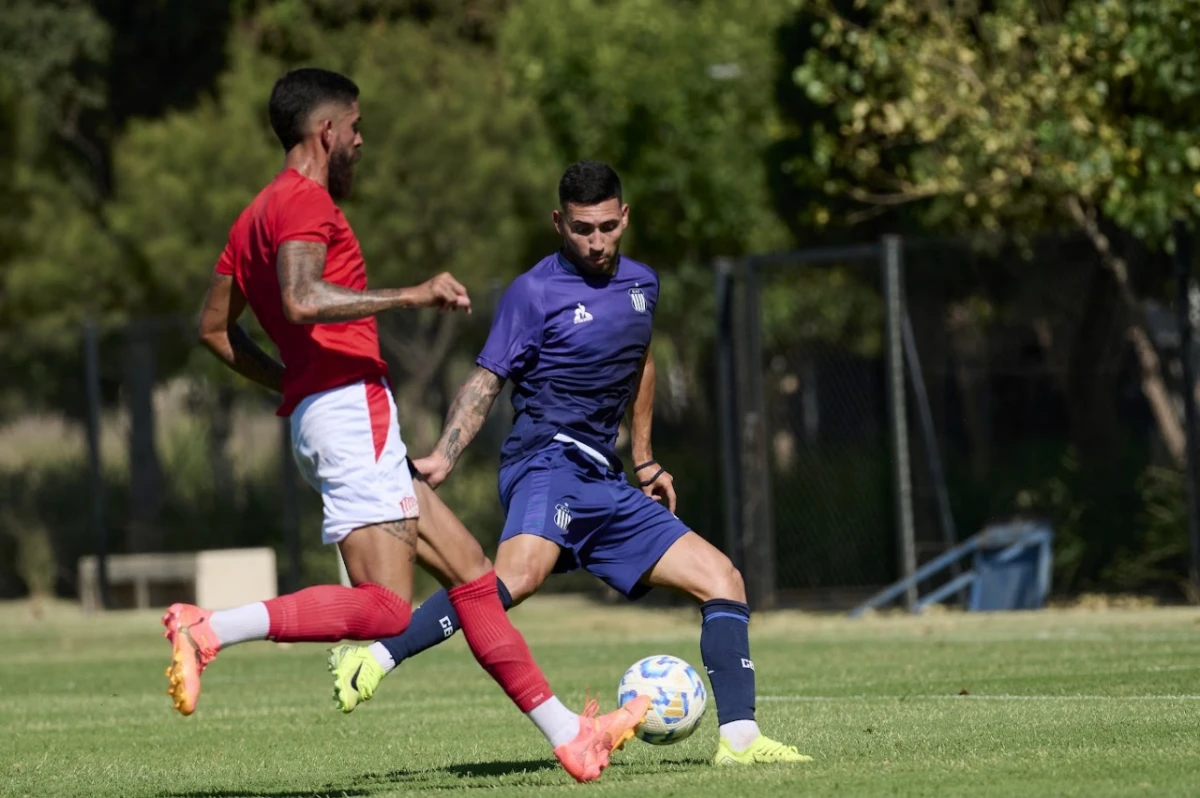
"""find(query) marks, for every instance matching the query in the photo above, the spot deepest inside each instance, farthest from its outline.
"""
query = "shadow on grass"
(434, 779)
(486, 769)
(321, 793)
(469, 775)
(370, 783)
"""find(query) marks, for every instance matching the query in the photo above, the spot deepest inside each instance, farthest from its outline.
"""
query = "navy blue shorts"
(602, 523)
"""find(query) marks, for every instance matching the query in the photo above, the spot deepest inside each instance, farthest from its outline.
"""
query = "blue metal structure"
(1010, 571)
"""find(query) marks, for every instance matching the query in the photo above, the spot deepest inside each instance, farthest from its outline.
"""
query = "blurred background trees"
(132, 133)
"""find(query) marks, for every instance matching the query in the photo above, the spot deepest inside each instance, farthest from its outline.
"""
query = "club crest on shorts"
(409, 506)
(562, 516)
(637, 299)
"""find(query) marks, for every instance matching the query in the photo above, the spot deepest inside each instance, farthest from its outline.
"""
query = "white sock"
(248, 622)
(382, 656)
(739, 734)
(559, 724)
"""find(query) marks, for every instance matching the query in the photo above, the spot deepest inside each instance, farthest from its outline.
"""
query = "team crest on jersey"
(562, 516)
(637, 299)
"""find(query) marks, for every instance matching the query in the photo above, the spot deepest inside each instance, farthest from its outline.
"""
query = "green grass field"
(1062, 703)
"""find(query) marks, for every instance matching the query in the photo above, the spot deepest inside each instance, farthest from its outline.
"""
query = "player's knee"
(462, 564)
(726, 581)
(521, 583)
(392, 613)
(473, 565)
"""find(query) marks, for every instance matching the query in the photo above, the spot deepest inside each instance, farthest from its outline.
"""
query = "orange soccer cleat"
(193, 646)
(587, 755)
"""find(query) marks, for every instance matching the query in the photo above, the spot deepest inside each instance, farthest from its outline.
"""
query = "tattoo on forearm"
(454, 445)
(470, 409)
(405, 531)
(301, 265)
(249, 360)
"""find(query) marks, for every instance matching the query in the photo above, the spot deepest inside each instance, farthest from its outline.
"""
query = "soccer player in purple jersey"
(572, 334)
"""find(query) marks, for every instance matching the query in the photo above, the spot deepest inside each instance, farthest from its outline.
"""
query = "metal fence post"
(929, 437)
(757, 524)
(146, 480)
(1183, 271)
(726, 390)
(893, 293)
(91, 360)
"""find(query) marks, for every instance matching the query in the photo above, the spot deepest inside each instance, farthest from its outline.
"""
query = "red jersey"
(316, 357)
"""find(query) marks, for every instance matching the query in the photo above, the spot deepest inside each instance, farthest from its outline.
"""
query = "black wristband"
(646, 464)
(648, 482)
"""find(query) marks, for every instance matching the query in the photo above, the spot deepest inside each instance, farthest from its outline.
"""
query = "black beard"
(341, 175)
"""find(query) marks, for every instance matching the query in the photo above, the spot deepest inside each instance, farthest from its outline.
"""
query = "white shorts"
(347, 444)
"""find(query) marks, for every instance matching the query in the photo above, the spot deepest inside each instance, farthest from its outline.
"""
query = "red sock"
(497, 646)
(329, 613)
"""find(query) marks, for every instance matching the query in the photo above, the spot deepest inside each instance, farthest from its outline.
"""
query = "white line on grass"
(837, 698)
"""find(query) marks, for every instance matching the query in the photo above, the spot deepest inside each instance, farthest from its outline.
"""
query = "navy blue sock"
(432, 622)
(725, 649)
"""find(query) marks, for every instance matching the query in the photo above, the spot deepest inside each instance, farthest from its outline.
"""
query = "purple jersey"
(570, 344)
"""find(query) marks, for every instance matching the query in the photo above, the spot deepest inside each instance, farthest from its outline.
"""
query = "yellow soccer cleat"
(356, 675)
(762, 751)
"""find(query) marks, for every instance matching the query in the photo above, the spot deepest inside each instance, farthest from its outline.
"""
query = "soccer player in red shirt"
(294, 260)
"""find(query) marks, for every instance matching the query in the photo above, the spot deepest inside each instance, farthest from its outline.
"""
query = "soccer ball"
(677, 697)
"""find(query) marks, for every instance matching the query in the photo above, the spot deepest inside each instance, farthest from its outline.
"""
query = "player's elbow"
(298, 312)
(212, 340)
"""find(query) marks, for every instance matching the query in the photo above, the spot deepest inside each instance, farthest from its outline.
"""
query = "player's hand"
(657, 483)
(434, 468)
(443, 292)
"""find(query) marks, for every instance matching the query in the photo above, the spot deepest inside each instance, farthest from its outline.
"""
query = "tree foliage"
(996, 114)
(132, 133)
(449, 177)
(51, 54)
(1014, 115)
(676, 96)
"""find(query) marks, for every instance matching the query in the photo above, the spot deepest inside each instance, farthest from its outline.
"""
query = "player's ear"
(325, 128)
(624, 216)
(557, 218)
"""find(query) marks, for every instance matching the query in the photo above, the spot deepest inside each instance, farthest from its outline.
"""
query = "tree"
(448, 177)
(51, 54)
(676, 96)
(1011, 115)
(455, 175)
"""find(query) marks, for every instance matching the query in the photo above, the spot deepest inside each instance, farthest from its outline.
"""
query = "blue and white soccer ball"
(678, 697)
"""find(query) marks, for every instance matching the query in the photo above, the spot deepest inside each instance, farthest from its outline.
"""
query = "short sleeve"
(227, 263)
(307, 216)
(653, 292)
(516, 333)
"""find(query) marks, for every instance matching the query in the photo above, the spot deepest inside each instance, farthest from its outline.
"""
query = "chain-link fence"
(874, 405)
(1055, 386)
(129, 438)
(816, 319)
(882, 402)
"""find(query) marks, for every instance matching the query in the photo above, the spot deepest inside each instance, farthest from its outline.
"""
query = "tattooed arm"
(309, 299)
(470, 409)
(221, 334)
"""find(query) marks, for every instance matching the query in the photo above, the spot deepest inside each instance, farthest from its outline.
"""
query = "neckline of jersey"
(302, 176)
(567, 266)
